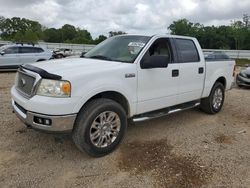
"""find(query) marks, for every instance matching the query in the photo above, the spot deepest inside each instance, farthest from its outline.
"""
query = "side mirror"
(155, 61)
(2, 53)
(82, 54)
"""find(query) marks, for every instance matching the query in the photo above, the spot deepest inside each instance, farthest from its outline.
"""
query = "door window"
(11, 50)
(187, 50)
(25, 50)
(161, 47)
(38, 50)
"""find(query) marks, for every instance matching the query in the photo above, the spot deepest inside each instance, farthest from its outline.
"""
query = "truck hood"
(73, 66)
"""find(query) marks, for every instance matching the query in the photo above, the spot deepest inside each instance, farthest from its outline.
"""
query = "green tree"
(82, 37)
(52, 35)
(99, 39)
(68, 32)
(2, 19)
(10, 27)
(240, 32)
(246, 20)
(28, 36)
(184, 27)
(234, 36)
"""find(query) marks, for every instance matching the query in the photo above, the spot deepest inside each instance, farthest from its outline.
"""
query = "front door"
(9, 57)
(157, 87)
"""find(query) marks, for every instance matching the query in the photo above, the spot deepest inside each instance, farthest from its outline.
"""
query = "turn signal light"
(66, 88)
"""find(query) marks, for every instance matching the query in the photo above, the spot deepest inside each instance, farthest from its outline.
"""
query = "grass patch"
(242, 62)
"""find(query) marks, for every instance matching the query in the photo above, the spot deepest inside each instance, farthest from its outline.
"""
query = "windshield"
(119, 48)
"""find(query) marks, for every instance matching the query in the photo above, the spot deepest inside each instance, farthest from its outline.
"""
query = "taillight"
(234, 72)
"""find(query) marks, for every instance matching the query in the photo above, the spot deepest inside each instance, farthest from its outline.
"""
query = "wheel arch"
(113, 95)
(41, 60)
(222, 80)
(210, 84)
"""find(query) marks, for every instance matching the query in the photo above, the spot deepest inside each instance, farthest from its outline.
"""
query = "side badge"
(129, 75)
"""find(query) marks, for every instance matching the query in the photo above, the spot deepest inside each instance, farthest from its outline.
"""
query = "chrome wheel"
(217, 98)
(105, 129)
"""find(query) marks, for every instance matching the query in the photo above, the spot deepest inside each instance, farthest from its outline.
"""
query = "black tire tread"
(206, 103)
(81, 122)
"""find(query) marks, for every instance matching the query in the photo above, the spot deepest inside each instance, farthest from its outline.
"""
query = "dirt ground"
(186, 149)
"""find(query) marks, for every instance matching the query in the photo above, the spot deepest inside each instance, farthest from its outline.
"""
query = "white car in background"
(62, 52)
(13, 55)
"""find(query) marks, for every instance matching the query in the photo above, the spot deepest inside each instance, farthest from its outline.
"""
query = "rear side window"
(25, 50)
(38, 50)
(187, 50)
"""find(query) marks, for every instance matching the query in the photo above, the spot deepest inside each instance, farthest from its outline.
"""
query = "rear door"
(27, 55)
(40, 53)
(191, 71)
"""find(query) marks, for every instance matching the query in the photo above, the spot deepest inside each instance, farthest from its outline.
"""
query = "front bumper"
(59, 123)
(242, 81)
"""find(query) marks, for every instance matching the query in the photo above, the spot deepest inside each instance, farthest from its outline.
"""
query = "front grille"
(25, 83)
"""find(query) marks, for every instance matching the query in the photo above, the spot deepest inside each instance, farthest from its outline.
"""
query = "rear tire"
(214, 102)
(59, 56)
(100, 127)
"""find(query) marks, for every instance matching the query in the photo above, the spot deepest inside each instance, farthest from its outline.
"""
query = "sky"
(131, 16)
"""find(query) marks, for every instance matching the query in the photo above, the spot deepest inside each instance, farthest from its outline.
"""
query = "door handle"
(175, 73)
(201, 70)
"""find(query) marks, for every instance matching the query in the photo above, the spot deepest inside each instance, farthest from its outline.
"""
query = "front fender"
(91, 83)
(96, 91)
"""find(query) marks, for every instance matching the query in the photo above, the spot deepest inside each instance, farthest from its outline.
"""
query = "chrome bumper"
(60, 123)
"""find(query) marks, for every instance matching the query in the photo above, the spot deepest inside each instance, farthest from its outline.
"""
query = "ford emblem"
(23, 82)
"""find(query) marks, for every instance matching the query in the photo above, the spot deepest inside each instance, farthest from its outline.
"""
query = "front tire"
(214, 102)
(59, 56)
(100, 127)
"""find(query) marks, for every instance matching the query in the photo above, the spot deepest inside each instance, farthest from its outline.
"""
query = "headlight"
(54, 88)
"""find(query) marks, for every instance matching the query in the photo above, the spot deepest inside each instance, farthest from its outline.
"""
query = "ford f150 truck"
(127, 77)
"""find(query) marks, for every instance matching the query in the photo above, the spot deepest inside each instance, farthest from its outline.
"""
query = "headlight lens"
(54, 88)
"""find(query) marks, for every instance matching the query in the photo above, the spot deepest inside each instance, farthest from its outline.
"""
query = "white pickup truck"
(127, 77)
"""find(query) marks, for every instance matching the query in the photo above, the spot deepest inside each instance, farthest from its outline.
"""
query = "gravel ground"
(186, 149)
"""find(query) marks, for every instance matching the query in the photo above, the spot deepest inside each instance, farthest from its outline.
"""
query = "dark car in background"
(243, 78)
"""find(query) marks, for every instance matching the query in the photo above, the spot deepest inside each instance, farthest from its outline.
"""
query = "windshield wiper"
(100, 57)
